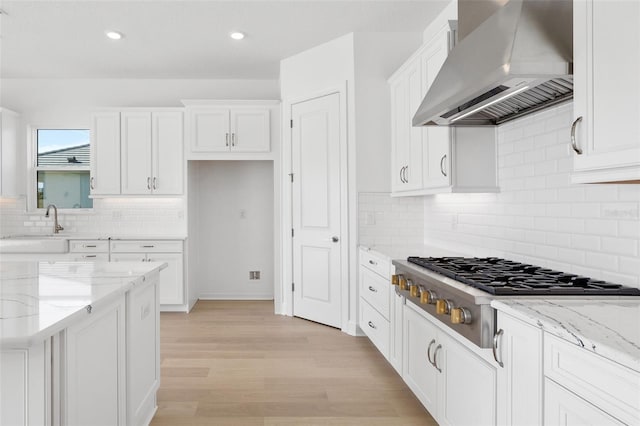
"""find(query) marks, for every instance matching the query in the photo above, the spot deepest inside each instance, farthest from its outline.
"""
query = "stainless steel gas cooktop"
(505, 277)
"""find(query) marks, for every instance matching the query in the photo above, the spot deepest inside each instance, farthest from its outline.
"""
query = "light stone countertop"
(610, 327)
(39, 299)
(402, 252)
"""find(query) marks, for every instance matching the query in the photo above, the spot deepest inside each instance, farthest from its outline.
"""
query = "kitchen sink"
(45, 243)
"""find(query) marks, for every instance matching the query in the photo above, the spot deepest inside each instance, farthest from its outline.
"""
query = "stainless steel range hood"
(516, 62)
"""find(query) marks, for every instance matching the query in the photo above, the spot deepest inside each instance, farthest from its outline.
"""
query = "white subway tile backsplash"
(539, 216)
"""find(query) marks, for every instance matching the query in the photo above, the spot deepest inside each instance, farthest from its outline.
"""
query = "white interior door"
(316, 207)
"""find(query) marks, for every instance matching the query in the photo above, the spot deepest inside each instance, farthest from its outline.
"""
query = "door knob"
(335, 239)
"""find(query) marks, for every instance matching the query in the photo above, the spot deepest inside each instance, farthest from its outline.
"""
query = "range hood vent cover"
(517, 62)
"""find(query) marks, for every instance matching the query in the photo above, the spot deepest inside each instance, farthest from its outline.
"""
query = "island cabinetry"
(93, 368)
(455, 384)
(23, 388)
(143, 354)
(169, 251)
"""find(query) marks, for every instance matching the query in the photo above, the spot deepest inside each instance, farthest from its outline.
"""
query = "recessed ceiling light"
(114, 35)
(236, 35)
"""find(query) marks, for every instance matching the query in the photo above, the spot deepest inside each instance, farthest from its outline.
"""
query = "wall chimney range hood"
(518, 61)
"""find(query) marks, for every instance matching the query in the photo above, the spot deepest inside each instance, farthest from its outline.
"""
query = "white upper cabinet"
(105, 153)
(135, 152)
(431, 160)
(224, 129)
(8, 158)
(606, 127)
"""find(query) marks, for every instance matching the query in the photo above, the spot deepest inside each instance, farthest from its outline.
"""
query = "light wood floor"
(236, 363)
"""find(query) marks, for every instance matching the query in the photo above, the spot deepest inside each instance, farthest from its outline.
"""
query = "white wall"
(539, 217)
(234, 214)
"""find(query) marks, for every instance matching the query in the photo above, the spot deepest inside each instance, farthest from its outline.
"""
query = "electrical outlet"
(254, 275)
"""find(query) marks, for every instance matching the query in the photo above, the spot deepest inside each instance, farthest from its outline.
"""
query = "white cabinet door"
(250, 130)
(171, 278)
(606, 91)
(95, 368)
(209, 130)
(520, 376)
(136, 152)
(105, 153)
(437, 140)
(143, 354)
(467, 393)
(564, 408)
(167, 151)
(420, 340)
(399, 136)
(413, 174)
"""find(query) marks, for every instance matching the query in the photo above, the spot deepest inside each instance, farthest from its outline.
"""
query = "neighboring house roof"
(72, 156)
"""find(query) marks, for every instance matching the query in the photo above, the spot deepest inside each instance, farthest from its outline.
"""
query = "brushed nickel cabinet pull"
(573, 136)
(149, 183)
(496, 337)
(92, 183)
(444, 157)
(155, 183)
(226, 137)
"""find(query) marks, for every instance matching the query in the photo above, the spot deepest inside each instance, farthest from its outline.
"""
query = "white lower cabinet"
(564, 408)
(23, 387)
(93, 367)
(456, 385)
(395, 348)
(520, 377)
(169, 251)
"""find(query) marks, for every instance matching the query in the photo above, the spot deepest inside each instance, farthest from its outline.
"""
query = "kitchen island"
(79, 342)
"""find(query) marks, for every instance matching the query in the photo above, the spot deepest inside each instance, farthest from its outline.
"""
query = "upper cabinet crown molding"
(605, 135)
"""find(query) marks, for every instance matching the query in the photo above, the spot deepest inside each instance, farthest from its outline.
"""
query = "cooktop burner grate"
(505, 277)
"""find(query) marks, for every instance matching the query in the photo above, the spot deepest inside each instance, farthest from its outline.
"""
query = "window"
(62, 168)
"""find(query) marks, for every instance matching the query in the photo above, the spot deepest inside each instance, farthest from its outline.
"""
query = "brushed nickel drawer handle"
(86, 256)
(573, 136)
(147, 246)
(89, 246)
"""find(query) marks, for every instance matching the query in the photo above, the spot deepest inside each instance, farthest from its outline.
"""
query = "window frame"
(33, 168)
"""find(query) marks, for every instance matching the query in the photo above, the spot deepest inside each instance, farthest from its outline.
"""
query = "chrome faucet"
(56, 226)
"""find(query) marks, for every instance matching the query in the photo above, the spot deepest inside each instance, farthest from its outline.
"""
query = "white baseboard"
(232, 296)
(174, 308)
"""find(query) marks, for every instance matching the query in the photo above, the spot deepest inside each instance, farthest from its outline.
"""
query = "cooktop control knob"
(414, 290)
(460, 316)
(427, 297)
(403, 283)
(443, 307)
(395, 279)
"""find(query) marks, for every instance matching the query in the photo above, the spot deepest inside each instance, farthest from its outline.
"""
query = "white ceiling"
(185, 38)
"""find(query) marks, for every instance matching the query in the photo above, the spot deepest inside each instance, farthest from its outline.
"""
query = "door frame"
(284, 294)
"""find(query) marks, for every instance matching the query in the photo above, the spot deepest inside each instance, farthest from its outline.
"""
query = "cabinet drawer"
(609, 386)
(88, 246)
(375, 290)
(375, 327)
(146, 246)
(89, 257)
(376, 263)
